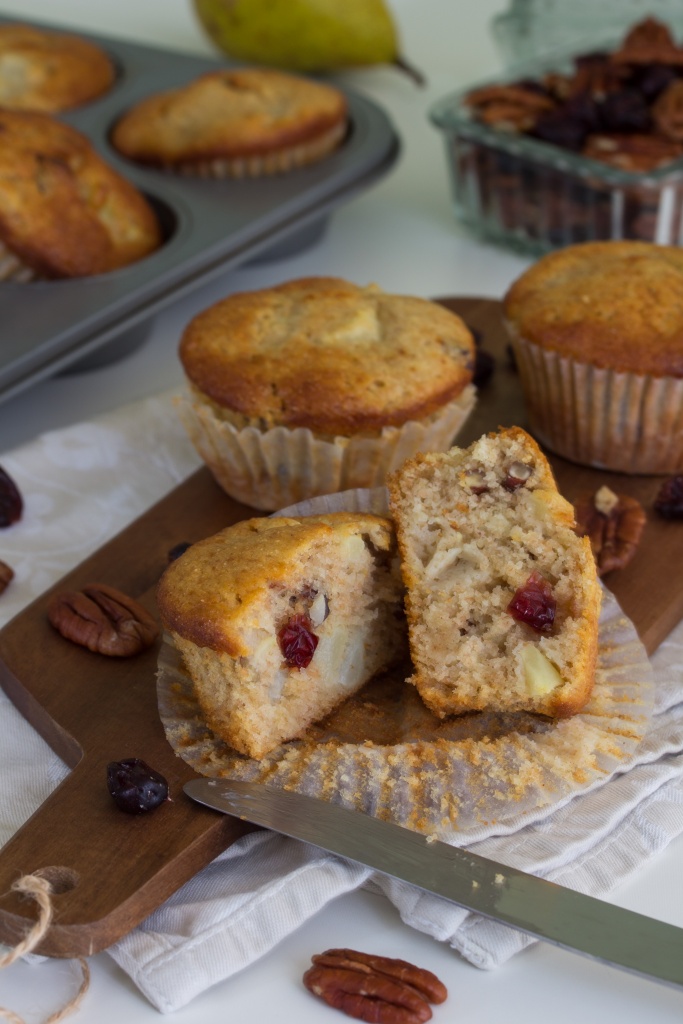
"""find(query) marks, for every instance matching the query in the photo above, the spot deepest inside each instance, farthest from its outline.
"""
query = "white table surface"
(402, 235)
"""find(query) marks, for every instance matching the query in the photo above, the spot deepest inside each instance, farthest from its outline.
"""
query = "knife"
(561, 916)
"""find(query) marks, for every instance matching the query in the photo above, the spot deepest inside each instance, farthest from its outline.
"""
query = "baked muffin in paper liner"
(235, 123)
(270, 469)
(459, 779)
(627, 422)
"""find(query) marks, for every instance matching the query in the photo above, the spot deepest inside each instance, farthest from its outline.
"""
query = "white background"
(402, 235)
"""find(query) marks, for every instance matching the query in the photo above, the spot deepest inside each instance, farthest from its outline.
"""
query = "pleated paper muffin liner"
(459, 779)
(626, 422)
(274, 468)
(256, 165)
(12, 268)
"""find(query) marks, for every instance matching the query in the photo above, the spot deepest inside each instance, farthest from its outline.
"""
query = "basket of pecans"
(574, 147)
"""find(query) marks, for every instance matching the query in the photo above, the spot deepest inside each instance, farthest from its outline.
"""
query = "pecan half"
(103, 619)
(433, 990)
(632, 152)
(557, 84)
(648, 42)
(369, 997)
(668, 111)
(613, 523)
(6, 575)
(508, 106)
(597, 76)
(374, 988)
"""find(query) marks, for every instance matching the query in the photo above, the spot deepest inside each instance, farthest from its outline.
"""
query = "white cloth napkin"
(81, 486)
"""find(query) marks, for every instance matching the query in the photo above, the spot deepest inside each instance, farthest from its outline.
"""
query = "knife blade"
(566, 918)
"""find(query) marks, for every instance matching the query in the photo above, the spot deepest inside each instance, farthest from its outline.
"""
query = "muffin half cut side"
(279, 620)
(502, 596)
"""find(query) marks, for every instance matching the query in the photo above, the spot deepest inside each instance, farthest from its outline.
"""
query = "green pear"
(304, 35)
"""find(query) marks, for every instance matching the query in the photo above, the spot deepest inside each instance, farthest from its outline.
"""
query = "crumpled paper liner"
(256, 165)
(459, 779)
(626, 422)
(12, 268)
(278, 467)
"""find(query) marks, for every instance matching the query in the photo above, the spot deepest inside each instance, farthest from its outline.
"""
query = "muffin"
(279, 620)
(502, 596)
(235, 123)
(318, 385)
(63, 211)
(597, 331)
(50, 71)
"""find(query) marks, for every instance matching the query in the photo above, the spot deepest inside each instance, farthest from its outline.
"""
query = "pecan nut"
(667, 111)
(103, 619)
(595, 76)
(374, 988)
(6, 575)
(648, 42)
(511, 107)
(635, 152)
(614, 525)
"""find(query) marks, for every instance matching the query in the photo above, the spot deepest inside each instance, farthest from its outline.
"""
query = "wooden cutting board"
(111, 869)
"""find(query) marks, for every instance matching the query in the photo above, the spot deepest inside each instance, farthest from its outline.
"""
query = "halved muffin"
(502, 596)
(279, 620)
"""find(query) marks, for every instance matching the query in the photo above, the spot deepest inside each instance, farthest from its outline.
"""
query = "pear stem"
(402, 64)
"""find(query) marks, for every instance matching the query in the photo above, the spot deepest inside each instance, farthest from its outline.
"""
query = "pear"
(304, 35)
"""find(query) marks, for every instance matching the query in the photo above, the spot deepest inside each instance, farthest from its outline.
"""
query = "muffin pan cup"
(210, 226)
(535, 197)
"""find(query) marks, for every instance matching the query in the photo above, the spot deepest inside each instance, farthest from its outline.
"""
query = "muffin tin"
(209, 226)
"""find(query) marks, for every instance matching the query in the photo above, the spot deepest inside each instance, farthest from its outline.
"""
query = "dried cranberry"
(178, 549)
(625, 111)
(560, 130)
(669, 500)
(651, 79)
(484, 365)
(135, 786)
(298, 641)
(534, 604)
(11, 504)
(584, 109)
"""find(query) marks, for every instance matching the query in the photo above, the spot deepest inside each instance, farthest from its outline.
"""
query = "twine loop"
(39, 889)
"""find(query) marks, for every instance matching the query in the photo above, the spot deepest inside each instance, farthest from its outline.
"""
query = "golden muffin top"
(615, 305)
(50, 71)
(325, 354)
(63, 210)
(214, 591)
(229, 113)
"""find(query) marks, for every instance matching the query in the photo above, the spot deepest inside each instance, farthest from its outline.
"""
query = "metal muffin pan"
(210, 226)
